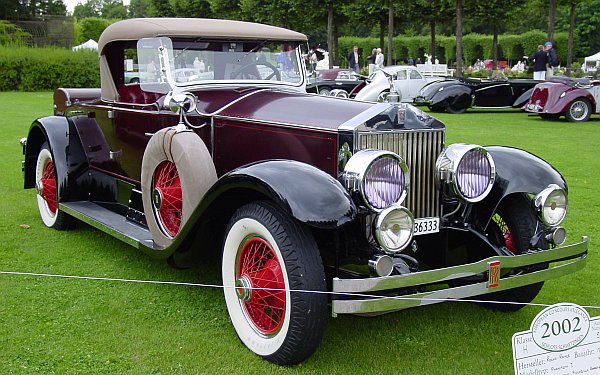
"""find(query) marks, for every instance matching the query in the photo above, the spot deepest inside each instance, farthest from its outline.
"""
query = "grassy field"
(67, 326)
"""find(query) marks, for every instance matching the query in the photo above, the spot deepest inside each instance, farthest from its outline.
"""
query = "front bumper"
(353, 299)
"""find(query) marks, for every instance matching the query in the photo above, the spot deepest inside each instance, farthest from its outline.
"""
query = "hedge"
(38, 69)
(475, 46)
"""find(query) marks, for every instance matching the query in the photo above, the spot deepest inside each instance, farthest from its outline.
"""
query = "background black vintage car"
(456, 95)
(336, 79)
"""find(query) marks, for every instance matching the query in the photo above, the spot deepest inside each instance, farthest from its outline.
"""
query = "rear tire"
(265, 255)
(47, 192)
(325, 91)
(512, 226)
(455, 110)
(579, 110)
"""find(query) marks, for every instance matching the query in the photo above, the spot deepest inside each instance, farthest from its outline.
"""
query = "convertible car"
(407, 80)
(344, 81)
(457, 95)
(575, 98)
(312, 203)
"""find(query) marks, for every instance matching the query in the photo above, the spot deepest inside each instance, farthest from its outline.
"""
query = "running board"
(110, 222)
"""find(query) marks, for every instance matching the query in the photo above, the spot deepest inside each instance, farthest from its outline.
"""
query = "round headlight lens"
(384, 182)
(474, 174)
(469, 169)
(552, 205)
(394, 228)
(380, 177)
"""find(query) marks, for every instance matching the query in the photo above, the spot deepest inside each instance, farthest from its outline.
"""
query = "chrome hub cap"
(243, 288)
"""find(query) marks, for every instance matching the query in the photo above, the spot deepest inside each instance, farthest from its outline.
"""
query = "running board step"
(109, 222)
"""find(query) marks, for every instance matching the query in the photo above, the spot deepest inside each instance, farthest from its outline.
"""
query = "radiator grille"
(420, 150)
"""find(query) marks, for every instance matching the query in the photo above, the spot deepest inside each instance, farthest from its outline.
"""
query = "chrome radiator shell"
(420, 149)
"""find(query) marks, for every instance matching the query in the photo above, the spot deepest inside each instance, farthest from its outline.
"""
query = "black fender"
(517, 171)
(307, 193)
(453, 94)
(523, 99)
(66, 149)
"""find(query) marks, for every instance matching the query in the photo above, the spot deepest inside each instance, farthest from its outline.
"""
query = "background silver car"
(408, 81)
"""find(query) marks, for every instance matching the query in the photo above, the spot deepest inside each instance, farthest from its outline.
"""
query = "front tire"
(47, 192)
(513, 225)
(325, 91)
(455, 110)
(579, 110)
(382, 97)
(266, 255)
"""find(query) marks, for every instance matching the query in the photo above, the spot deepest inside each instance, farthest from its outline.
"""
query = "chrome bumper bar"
(574, 257)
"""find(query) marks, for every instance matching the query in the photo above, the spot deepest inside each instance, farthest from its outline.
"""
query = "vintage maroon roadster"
(575, 98)
(312, 201)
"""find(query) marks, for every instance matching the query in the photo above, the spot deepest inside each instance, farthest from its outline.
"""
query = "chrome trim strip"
(381, 305)
(450, 273)
(282, 124)
(492, 87)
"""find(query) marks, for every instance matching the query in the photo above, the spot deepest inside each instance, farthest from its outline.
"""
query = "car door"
(415, 83)
(401, 83)
(494, 95)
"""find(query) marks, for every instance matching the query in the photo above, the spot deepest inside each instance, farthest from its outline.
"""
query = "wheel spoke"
(48, 186)
(168, 184)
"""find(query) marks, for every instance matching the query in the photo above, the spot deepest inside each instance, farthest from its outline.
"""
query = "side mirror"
(182, 102)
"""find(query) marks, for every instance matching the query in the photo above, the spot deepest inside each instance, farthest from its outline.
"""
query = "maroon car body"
(309, 200)
(575, 98)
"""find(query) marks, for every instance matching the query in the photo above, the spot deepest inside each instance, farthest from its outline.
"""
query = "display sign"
(562, 340)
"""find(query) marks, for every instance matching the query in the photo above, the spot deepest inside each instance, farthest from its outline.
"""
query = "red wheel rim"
(47, 187)
(259, 269)
(509, 240)
(167, 198)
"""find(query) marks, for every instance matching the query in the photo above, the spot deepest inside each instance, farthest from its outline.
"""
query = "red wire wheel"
(47, 187)
(261, 285)
(167, 198)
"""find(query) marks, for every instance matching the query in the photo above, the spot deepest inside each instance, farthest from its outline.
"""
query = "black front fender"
(454, 95)
(517, 171)
(523, 99)
(66, 149)
(305, 192)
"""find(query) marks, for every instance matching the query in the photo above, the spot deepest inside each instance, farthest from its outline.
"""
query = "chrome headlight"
(380, 177)
(394, 228)
(551, 204)
(469, 169)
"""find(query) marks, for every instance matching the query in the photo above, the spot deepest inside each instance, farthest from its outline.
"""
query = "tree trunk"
(551, 20)
(390, 32)
(336, 45)
(432, 28)
(570, 42)
(459, 26)
(495, 48)
(330, 43)
(382, 33)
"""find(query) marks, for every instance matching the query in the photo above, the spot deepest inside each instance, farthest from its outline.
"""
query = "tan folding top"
(134, 29)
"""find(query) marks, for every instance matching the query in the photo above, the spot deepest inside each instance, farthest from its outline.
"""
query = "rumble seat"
(132, 93)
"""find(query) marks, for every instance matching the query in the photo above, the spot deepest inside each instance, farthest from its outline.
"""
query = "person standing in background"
(379, 59)
(371, 60)
(540, 59)
(552, 59)
(353, 60)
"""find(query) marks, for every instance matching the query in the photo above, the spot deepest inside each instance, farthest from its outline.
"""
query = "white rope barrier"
(217, 286)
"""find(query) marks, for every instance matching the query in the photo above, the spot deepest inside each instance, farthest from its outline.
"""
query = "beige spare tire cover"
(196, 172)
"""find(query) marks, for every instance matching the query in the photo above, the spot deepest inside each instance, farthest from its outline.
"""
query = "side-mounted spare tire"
(177, 170)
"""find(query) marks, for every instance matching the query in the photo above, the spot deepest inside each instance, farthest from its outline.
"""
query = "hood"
(309, 110)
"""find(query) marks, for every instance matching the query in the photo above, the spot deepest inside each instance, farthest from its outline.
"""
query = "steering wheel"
(246, 71)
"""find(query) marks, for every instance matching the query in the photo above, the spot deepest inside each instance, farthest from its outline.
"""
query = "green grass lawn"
(67, 326)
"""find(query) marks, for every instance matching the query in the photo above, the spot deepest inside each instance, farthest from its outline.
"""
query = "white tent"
(593, 58)
(90, 44)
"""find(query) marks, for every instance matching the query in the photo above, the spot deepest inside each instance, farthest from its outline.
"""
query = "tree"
(139, 8)
(433, 12)
(390, 45)
(459, 26)
(496, 13)
(113, 9)
(90, 8)
(551, 19)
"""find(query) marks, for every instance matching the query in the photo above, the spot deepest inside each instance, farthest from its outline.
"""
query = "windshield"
(204, 61)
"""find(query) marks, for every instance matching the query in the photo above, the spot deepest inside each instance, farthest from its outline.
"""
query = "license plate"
(427, 225)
